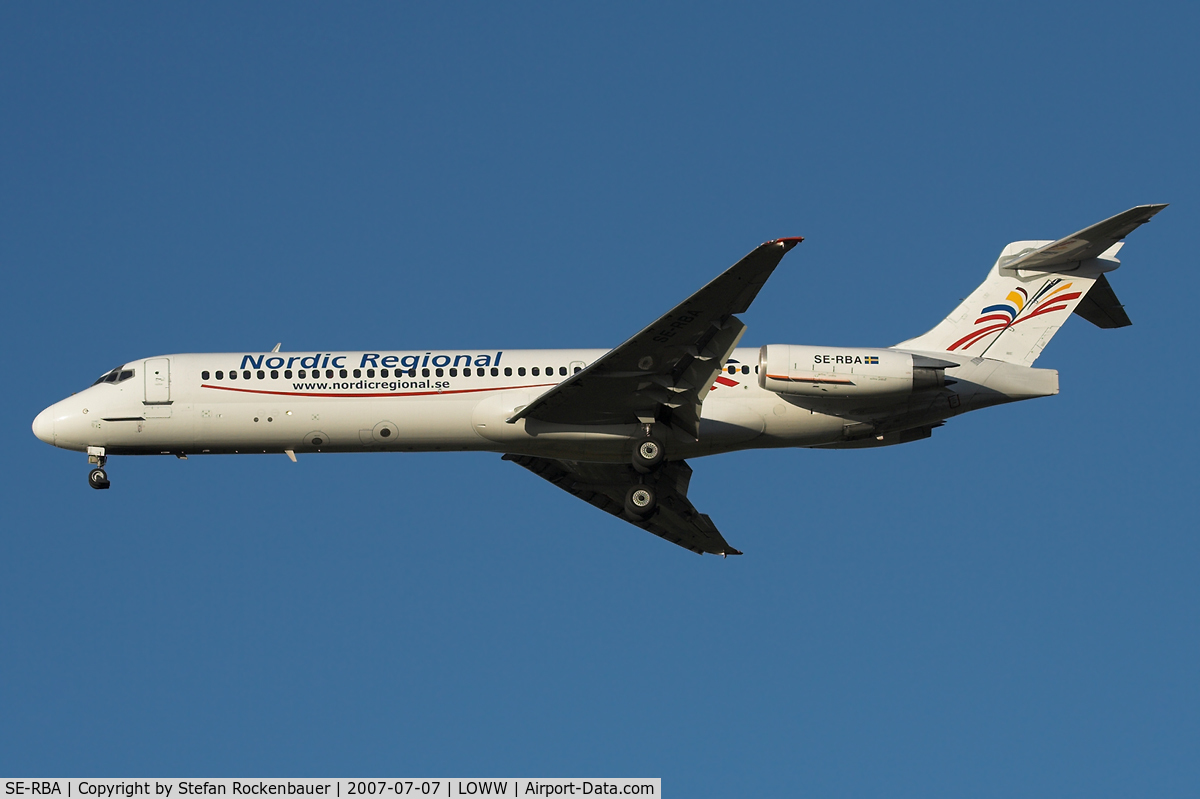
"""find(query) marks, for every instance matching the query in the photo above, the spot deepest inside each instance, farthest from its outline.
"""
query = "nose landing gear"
(98, 478)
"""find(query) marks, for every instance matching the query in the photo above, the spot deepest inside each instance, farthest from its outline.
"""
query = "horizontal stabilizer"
(1101, 307)
(1091, 242)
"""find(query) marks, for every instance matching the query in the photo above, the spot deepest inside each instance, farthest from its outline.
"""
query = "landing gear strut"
(98, 478)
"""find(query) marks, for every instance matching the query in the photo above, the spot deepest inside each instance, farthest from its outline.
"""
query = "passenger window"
(521, 371)
(261, 374)
(301, 373)
(343, 373)
(745, 370)
(370, 373)
(425, 372)
(562, 371)
(411, 372)
(466, 371)
(204, 375)
(535, 372)
(220, 375)
(232, 375)
(328, 374)
(453, 372)
(439, 372)
(577, 370)
(495, 372)
(274, 374)
(246, 374)
(508, 371)
(358, 372)
(287, 373)
(383, 372)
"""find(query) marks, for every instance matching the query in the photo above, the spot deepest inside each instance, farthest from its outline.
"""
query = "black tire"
(647, 454)
(640, 501)
(98, 479)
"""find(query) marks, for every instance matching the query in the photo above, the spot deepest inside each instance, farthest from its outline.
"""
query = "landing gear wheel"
(640, 501)
(647, 454)
(98, 479)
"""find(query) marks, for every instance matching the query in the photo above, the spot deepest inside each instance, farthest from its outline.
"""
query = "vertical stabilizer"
(1031, 290)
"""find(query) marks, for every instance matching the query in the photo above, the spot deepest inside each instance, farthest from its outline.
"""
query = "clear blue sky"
(1009, 608)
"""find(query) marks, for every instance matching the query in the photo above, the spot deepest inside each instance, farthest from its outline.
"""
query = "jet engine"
(848, 372)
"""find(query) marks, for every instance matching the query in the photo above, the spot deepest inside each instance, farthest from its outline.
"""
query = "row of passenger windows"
(467, 371)
(116, 375)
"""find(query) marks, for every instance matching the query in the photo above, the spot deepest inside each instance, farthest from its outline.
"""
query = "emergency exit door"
(158, 381)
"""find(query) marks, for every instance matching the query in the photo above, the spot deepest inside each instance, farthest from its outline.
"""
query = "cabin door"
(158, 381)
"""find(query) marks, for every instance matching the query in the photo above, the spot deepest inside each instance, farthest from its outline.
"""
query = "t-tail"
(1032, 289)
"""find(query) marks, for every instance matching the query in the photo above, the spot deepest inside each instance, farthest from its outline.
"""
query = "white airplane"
(615, 427)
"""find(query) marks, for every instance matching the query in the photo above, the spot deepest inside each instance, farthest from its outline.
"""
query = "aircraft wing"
(1090, 242)
(664, 372)
(604, 485)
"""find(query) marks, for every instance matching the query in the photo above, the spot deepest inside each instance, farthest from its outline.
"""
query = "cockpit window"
(117, 375)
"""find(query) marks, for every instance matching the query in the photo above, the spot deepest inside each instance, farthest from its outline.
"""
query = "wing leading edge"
(664, 372)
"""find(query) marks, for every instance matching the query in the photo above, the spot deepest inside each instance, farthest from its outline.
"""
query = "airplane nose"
(43, 426)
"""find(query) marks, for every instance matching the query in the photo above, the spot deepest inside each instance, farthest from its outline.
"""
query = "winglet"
(787, 242)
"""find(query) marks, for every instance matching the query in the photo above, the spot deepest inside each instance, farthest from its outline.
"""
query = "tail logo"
(1017, 307)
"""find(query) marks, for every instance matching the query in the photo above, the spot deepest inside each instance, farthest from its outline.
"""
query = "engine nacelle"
(846, 371)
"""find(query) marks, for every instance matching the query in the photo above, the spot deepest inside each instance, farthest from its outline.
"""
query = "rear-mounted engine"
(847, 372)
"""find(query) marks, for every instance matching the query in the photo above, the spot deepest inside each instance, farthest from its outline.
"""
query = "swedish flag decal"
(871, 359)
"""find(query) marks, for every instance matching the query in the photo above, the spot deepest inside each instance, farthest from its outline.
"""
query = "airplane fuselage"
(236, 403)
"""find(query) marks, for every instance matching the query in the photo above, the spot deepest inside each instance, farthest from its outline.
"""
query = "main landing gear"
(647, 454)
(641, 500)
(98, 478)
